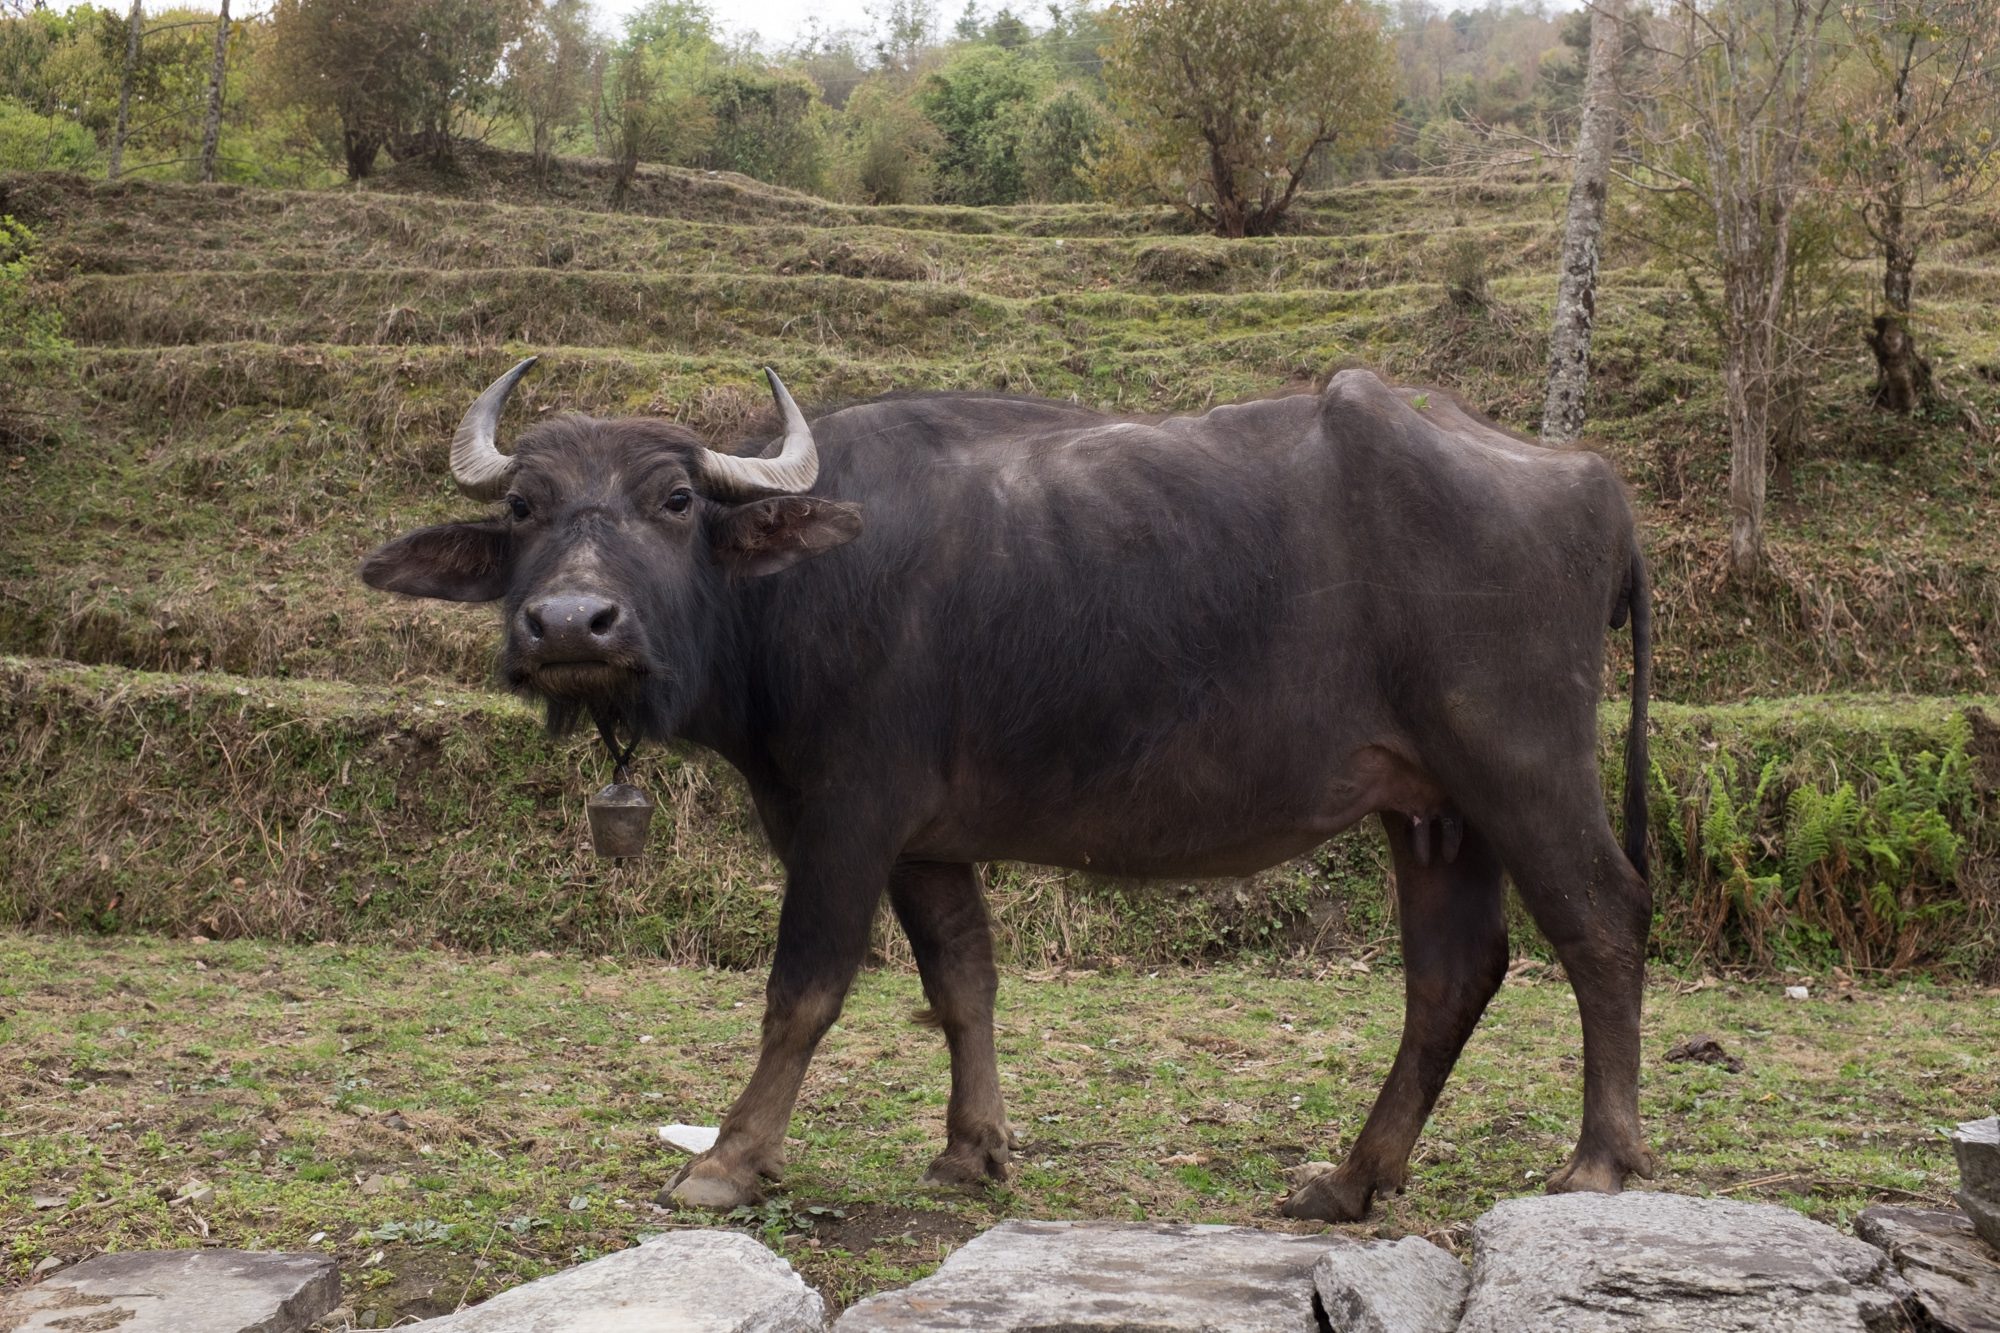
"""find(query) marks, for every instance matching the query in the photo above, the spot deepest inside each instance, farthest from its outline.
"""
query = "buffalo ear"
(455, 562)
(765, 536)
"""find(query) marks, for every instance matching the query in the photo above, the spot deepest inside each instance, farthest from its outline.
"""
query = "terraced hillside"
(265, 382)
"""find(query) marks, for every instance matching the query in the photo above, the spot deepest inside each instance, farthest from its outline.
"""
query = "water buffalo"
(937, 630)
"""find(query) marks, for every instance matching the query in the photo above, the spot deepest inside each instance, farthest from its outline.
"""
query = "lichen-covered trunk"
(133, 24)
(1902, 374)
(1583, 232)
(211, 130)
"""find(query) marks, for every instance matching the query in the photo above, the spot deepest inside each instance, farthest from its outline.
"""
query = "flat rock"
(1976, 1144)
(178, 1291)
(1580, 1263)
(1404, 1286)
(1956, 1275)
(680, 1282)
(1128, 1277)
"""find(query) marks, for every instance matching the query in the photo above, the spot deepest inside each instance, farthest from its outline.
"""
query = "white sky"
(777, 22)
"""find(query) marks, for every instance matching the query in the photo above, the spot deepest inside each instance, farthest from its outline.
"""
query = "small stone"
(194, 1193)
(48, 1265)
(1797, 993)
(1403, 1286)
(687, 1281)
(1595, 1263)
(690, 1138)
(1095, 1277)
(1957, 1278)
(179, 1291)
(1976, 1144)
(44, 1202)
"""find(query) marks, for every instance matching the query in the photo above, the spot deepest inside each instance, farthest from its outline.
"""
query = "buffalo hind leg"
(1595, 911)
(1454, 931)
(943, 911)
(830, 898)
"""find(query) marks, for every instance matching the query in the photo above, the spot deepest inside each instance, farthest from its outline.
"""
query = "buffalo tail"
(1639, 598)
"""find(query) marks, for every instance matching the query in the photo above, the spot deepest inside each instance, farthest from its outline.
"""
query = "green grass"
(480, 1120)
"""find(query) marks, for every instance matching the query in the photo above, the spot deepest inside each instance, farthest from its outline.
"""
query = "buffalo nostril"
(534, 624)
(602, 622)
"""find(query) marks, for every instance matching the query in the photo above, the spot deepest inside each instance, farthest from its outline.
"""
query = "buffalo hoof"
(713, 1187)
(1601, 1172)
(969, 1164)
(1330, 1197)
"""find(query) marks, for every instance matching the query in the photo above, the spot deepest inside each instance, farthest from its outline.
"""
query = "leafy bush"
(26, 323)
(33, 142)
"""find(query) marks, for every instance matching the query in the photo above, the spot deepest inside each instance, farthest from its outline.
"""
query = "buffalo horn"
(792, 471)
(477, 464)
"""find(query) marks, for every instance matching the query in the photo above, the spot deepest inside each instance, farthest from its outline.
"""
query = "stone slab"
(178, 1291)
(680, 1282)
(1956, 1275)
(1404, 1286)
(1592, 1263)
(1976, 1144)
(1082, 1277)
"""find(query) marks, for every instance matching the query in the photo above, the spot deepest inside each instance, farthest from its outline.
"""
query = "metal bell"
(619, 815)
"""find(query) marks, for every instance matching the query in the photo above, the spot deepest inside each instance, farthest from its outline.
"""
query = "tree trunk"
(211, 130)
(1902, 375)
(359, 147)
(1748, 386)
(1583, 232)
(133, 25)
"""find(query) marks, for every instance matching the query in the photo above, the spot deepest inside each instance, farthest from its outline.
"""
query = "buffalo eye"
(518, 506)
(679, 499)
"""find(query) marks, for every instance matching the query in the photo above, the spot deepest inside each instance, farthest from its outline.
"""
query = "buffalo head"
(616, 551)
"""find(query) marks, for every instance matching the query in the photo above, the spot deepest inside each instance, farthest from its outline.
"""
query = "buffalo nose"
(571, 626)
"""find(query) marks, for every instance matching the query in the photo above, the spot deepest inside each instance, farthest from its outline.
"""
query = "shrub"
(33, 142)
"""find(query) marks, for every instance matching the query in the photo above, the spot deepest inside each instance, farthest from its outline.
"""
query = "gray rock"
(1977, 1147)
(1579, 1263)
(1956, 1276)
(179, 1291)
(1405, 1286)
(685, 1281)
(1128, 1277)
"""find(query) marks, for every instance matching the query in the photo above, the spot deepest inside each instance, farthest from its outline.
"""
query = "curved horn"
(477, 464)
(792, 471)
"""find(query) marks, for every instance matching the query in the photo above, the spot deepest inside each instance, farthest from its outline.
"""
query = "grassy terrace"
(266, 380)
(450, 1124)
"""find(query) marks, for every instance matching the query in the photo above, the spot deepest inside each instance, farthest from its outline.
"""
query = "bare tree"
(211, 130)
(1917, 137)
(133, 26)
(1583, 230)
(1732, 132)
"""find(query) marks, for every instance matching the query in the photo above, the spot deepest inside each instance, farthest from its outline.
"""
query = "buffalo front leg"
(830, 899)
(1454, 957)
(943, 911)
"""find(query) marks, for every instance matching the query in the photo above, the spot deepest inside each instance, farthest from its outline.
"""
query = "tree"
(453, 50)
(1917, 134)
(345, 62)
(1224, 104)
(981, 103)
(1583, 231)
(1733, 137)
(768, 124)
(652, 103)
(134, 31)
(211, 129)
(548, 73)
(1060, 139)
